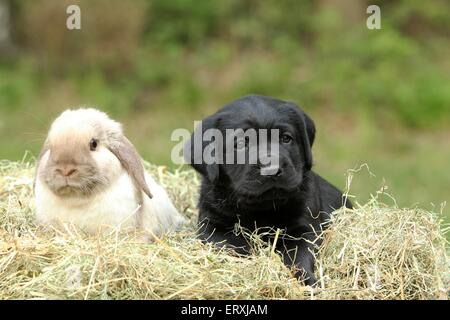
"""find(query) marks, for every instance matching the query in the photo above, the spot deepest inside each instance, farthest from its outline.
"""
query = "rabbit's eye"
(93, 144)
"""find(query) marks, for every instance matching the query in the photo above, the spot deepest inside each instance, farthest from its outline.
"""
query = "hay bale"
(372, 252)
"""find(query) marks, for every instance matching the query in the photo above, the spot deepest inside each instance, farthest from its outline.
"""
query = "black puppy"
(291, 197)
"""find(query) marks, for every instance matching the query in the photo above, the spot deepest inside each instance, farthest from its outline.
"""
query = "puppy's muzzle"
(270, 165)
(271, 170)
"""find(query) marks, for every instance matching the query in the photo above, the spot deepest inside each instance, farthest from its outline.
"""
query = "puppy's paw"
(307, 277)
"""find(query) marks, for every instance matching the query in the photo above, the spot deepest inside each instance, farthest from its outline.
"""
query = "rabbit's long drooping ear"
(124, 150)
(194, 147)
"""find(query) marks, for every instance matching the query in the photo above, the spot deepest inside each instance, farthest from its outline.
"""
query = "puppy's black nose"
(279, 172)
(271, 171)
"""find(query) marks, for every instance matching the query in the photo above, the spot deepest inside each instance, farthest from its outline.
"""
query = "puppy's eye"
(286, 138)
(93, 144)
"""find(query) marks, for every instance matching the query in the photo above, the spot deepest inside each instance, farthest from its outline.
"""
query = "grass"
(372, 252)
(413, 164)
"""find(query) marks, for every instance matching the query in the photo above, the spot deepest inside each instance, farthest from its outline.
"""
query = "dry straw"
(372, 252)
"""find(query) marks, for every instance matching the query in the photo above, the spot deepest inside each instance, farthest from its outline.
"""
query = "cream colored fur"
(117, 206)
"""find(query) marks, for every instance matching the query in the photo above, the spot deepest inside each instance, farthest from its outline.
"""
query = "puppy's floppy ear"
(308, 136)
(124, 150)
(310, 128)
(307, 131)
(194, 147)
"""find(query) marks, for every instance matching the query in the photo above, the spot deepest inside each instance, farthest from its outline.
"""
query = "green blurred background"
(380, 97)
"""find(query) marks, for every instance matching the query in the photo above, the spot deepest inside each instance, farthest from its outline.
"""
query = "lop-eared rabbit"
(90, 175)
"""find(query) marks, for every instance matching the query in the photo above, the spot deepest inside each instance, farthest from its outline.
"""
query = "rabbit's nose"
(67, 171)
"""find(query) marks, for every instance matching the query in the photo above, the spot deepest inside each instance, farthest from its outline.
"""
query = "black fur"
(297, 201)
